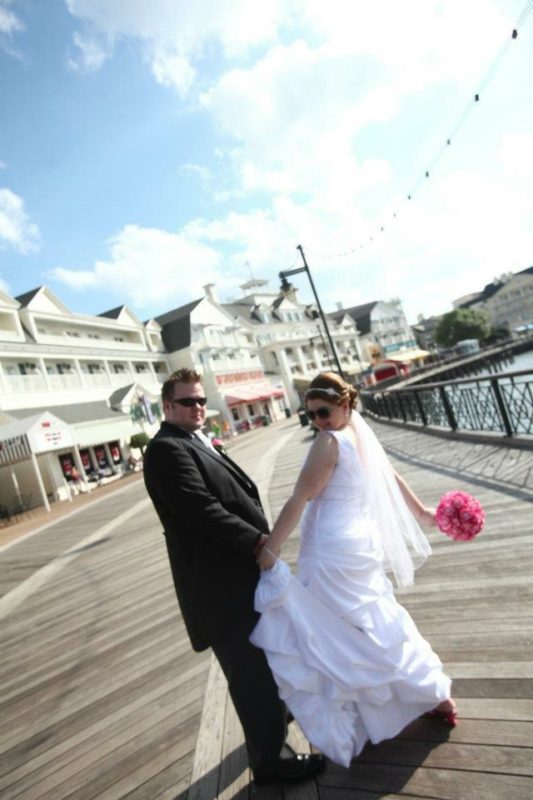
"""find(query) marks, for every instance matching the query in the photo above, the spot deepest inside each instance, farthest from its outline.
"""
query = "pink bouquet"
(460, 516)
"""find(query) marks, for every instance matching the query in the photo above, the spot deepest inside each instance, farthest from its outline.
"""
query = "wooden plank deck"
(103, 698)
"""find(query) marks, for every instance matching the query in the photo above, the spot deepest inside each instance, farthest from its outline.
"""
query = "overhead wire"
(449, 140)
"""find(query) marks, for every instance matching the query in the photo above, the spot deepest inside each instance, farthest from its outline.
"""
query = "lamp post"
(285, 285)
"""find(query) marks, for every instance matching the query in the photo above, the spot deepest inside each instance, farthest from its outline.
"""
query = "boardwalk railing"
(493, 404)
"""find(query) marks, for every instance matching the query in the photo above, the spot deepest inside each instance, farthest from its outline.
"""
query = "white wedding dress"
(348, 659)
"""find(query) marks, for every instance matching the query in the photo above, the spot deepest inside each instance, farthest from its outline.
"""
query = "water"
(522, 361)
(519, 362)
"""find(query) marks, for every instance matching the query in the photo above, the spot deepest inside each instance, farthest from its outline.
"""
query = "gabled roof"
(359, 314)
(28, 297)
(6, 300)
(25, 298)
(241, 309)
(72, 413)
(176, 326)
(125, 393)
(119, 313)
(491, 288)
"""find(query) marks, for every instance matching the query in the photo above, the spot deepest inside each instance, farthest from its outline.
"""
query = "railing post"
(502, 408)
(448, 409)
(402, 410)
(420, 407)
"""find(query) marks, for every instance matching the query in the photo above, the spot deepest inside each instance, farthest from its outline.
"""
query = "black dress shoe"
(300, 767)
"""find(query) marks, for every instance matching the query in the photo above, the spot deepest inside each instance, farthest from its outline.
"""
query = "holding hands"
(266, 556)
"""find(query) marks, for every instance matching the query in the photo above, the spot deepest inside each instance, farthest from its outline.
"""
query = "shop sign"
(86, 460)
(101, 458)
(238, 377)
(114, 449)
(66, 465)
(49, 433)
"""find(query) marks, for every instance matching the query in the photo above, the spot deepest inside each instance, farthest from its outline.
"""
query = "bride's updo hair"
(331, 387)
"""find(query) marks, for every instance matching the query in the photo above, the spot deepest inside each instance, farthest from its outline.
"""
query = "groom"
(214, 526)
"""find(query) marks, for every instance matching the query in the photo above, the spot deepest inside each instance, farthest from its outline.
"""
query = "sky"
(150, 148)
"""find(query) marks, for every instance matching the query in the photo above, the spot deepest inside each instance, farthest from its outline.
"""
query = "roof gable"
(122, 314)
(7, 302)
(44, 300)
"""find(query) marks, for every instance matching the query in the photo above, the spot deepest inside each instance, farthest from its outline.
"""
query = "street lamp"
(285, 286)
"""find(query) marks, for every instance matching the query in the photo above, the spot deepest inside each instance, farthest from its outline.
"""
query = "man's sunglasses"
(321, 413)
(189, 402)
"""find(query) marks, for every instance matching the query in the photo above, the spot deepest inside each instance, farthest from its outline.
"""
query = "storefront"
(254, 405)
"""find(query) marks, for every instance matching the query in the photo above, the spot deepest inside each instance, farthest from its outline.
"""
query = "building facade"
(98, 378)
(508, 301)
(204, 336)
(291, 339)
(384, 331)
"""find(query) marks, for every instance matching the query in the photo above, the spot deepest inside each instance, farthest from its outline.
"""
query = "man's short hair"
(183, 375)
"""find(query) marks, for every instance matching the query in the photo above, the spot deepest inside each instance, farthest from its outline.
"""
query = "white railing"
(24, 383)
(64, 381)
(95, 379)
(121, 378)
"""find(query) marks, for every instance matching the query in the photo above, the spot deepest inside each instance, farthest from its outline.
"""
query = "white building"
(384, 331)
(78, 378)
(508, 301)
(291, 338)
(204, 336)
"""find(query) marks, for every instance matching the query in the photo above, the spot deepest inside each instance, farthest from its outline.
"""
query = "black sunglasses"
(321, 413)
(189, 402)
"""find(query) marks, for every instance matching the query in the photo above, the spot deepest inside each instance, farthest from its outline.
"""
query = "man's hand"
(267, 557)
(260, 544)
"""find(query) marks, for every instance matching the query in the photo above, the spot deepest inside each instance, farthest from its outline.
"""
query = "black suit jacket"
(212, 519)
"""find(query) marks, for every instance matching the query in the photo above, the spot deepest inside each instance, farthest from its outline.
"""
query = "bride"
(349, 662)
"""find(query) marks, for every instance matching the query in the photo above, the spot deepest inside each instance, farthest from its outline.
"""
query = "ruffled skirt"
(348, 659)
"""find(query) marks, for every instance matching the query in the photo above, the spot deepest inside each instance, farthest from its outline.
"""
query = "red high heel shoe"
(449, 717)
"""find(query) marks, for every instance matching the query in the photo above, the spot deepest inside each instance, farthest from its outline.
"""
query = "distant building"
(73, 389)
(508, 301)
(205, 336)
(383, 330)
(424, 331)
(290, 337)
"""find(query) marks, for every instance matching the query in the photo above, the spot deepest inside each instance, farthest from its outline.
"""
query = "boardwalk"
(103, 698)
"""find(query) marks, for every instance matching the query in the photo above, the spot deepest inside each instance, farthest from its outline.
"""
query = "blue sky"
(149, 148)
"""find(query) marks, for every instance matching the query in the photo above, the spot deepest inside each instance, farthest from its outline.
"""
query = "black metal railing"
(500, 403)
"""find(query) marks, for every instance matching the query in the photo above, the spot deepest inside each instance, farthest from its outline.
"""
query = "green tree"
(139, 440)
(463, 323)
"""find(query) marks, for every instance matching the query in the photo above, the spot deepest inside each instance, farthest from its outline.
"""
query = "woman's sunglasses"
(189, 402)
(321, 413)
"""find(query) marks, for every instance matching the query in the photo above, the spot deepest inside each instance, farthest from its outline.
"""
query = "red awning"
(250, 393)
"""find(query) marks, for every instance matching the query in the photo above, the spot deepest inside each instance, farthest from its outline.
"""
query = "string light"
(461, 120)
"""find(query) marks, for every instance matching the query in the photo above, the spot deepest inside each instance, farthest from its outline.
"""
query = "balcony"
(25, 383)
(64, 381)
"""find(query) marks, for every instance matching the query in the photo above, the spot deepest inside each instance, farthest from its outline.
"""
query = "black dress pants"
(254, 692)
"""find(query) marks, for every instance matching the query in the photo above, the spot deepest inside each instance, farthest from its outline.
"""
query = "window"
(235, 414)
(250, 409)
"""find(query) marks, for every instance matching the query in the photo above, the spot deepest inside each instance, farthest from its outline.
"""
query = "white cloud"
(172, 69)
(297, 89)
(174, 34)
(89, 55)
(147, 265)
(10, 24)
(516, 155)
(16, 228)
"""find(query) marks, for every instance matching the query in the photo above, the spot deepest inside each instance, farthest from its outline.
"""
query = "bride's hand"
(266, 558)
